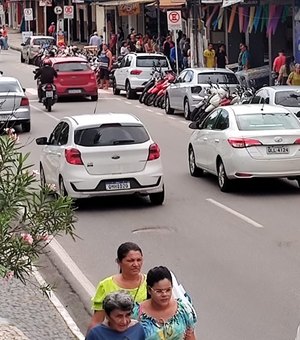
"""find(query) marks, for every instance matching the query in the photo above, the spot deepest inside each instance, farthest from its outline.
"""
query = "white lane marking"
(139, 106)
(59, 307)
(184, 122)
(235, 213)
(72, 267)
(127, 102)
(159, 113)
(46, 113)
(149, 110)
(171, 117)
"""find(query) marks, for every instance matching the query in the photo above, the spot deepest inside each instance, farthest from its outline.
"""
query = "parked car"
(102, 155)
(135, 70)
(246, 141)
(75, 78)
(287, 96)
(186, 92)
(32, 46)
(14, 104)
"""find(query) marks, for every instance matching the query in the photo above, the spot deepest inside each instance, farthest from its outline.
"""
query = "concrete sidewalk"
(25, 313)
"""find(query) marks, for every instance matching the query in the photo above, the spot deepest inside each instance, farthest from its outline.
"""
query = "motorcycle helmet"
(47, 62)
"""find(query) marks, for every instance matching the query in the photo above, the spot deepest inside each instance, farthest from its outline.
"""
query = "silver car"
(32, 46)
(14, 104)
(186, 92)
(246, 141)
(287, 96)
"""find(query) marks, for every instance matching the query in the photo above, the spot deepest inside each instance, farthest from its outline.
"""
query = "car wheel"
(42, 176)
(158, 197)
(223, 181)
(195, 171)
(115, 90)
(26, 127)
(298, 181)
(130, 94)
(187, 111)
(94, 98)
(168, 109)
(62, 188)
(22, 59)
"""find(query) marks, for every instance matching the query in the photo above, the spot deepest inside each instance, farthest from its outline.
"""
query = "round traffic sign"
(174, 17)
(57, 10)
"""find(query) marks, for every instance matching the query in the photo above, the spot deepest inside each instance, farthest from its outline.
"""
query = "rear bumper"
(86, 90)
(20, 115)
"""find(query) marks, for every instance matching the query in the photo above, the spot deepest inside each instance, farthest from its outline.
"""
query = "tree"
(30, 215)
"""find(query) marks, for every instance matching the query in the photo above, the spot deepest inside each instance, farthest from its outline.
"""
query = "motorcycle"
(49, 97)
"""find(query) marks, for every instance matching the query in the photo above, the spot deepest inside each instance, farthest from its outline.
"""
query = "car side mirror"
(194, 126)
(267, 100)
(41, 141)
(24, 90)
(298, 114)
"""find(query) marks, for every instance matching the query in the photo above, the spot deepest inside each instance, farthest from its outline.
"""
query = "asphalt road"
(237, 254)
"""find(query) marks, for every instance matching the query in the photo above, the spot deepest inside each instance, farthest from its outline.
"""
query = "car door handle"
(205, 139)
(217, 140)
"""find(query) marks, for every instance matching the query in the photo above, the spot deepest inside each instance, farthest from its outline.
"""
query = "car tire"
(130, 94)
(116, 91)
(26, 127)
(224, 182)
(195, 171)
(158, 197)
(186, 109)
(94, 98)
(168, 109)
(62, 189)
(22, 59)
(42, 177)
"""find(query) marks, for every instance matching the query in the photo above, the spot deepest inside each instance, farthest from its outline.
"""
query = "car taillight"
(297, 141)
(154, 152)
(73, 156)
(136, 72)
(243, 142)
(93, 76)
(24, 101)
(49, 87)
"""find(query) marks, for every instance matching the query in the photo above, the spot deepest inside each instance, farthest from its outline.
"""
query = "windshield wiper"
(122, 141)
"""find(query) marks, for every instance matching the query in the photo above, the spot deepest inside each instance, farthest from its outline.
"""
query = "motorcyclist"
(46, 74)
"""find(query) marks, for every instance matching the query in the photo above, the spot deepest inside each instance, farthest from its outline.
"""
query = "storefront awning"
(121, 2)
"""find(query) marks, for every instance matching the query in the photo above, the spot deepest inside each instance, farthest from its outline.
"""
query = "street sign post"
(175, 24)
(28, 16)
(68, 14)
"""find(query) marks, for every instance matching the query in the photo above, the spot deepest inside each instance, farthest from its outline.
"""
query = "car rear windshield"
(221, 78)
(267, 121)
(283, 98)
(10, 87)
(72, 66)
(149, 61)
(43, 41)
(111, 134)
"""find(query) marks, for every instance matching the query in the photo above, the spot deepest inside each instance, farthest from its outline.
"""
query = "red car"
(75, 78)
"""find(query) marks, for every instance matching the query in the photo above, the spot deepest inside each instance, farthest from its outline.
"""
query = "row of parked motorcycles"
(215, 95)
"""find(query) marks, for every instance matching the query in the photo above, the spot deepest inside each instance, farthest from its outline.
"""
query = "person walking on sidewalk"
(130, 279)
(105, 65)
(209, 56)
(95, 40)
(52, 29)
(117, 324)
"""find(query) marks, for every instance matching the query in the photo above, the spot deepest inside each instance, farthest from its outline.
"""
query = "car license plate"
(75, 91)
(49, 94)
(117, 186)
(277, 149)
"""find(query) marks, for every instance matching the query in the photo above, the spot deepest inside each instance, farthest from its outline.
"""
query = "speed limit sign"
(57, 10)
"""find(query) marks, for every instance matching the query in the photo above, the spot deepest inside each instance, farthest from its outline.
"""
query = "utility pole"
(158, 23)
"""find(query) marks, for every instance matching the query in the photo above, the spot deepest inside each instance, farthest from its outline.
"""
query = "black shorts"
(104, 74)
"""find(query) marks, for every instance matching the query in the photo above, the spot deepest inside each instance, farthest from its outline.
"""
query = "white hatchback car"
(246, 141)
(101, 155)
(135, 70)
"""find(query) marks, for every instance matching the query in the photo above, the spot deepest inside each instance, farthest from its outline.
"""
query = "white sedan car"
(100, 155)
(246, 141)
(287, 96)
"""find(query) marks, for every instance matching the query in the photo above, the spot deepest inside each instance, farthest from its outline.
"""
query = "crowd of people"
(132, 305)
(286, 70)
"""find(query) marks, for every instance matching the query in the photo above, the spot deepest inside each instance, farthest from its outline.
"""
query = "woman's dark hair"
(117, 300)
(125, 248)
(157, 274)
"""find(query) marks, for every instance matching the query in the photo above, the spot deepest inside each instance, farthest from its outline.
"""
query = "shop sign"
(129, 9)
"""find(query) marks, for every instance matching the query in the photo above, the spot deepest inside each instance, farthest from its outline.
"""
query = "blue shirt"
(102, 332)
